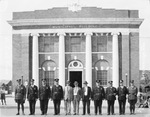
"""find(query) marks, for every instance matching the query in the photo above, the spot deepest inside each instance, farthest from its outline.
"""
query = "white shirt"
(75, 90)
(86, 91)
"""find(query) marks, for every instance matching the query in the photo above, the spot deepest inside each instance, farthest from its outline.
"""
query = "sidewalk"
(11, 103)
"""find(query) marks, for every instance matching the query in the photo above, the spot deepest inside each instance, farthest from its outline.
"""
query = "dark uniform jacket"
(132, 93)
(20, 92)
(44, 92)
(111, 93)
(57, 92)
(32, 93)
(98, 93)
(122, 92)
(89, 93)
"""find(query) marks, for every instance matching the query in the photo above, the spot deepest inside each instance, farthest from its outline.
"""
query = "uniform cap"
(132, 81)
(32, 80)
(97, 81)
(43, 79)
(56, 80)
(110, 82)
(85, 82)
(19, 80)
(121, 81)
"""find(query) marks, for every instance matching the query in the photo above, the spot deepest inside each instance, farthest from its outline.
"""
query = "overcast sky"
(9, 6)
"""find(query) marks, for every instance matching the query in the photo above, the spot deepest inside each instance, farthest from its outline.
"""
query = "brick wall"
(20, 58)
(134, 57)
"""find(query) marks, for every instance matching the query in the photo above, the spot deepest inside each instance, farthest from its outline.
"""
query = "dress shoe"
(108, 114)
(17, 114)
(74, 114)
(30, 114)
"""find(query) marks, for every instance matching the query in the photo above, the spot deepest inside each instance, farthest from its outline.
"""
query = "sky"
(9, 6)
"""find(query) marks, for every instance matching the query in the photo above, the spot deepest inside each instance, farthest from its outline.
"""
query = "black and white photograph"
(75, 58)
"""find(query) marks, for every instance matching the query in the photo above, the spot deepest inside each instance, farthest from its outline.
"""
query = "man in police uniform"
(86, 97)
(32, 96)
(132, 97)
(122, 91)
(20, 96)
(111, 97)
(57, 96)
(98, 96)
(44, 96)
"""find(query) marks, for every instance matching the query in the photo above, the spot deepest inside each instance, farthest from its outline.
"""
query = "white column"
(88, 59)
(35, 60)
(61, 59)
(115, 61)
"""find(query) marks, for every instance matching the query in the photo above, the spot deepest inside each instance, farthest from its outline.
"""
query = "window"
(49, 75)
(102, 76)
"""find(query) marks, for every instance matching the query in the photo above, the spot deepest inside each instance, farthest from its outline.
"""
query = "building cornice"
(67, 21)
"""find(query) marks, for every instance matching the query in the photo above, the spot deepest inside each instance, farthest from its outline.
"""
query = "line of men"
(75, 95)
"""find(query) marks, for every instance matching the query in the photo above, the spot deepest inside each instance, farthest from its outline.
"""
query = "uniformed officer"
(111, 97)
(86, 98)
(57, 96)
(132, 97)
(44, 96)
(32, 96)
(98, 94)
(122, 91)
(20, 96)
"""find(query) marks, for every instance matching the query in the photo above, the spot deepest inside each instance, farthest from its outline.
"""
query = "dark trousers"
(18, 107)
(98, 104)
(122, 104)
(86, 102)
(57, 106)
(110, 106)
(32, 106)
(132, 105)
(44, 106)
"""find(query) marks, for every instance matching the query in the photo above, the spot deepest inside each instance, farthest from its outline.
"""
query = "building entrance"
(76, 76)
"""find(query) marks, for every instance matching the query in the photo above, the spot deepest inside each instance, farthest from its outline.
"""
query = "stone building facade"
(88, 44)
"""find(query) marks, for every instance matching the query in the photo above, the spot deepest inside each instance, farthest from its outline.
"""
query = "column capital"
(88, 33)
(61, 33)
(125, 33)
(115, 33)
(34, 34)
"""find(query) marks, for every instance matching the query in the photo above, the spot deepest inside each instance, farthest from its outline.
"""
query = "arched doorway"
(48, 71)
(75, 72)
(102, 71)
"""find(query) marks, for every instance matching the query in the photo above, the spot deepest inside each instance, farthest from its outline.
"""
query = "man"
(132, 97)
(20, 96)
(3, 97)
(76, 98)
(98, 96)
(110, 97)
(68, 97)
(86, 97)
(32, 96)
(44, 96)
(122, 91)
(57, 96)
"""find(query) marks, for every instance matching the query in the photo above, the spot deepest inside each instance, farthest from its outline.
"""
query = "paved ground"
(10, 110)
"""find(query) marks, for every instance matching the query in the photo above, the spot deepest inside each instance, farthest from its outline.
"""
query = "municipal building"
(76, 44)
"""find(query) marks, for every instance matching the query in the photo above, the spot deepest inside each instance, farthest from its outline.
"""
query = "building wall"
(20, 58)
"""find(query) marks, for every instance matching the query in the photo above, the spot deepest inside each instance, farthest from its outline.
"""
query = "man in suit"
(98, 94)
(57, 96)
(20, 96)
(76, 98)
(44, 96)
(86, 97)
(111, 97)
(32, 96)
(68, 97)
(132, 97)
(122, 91)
